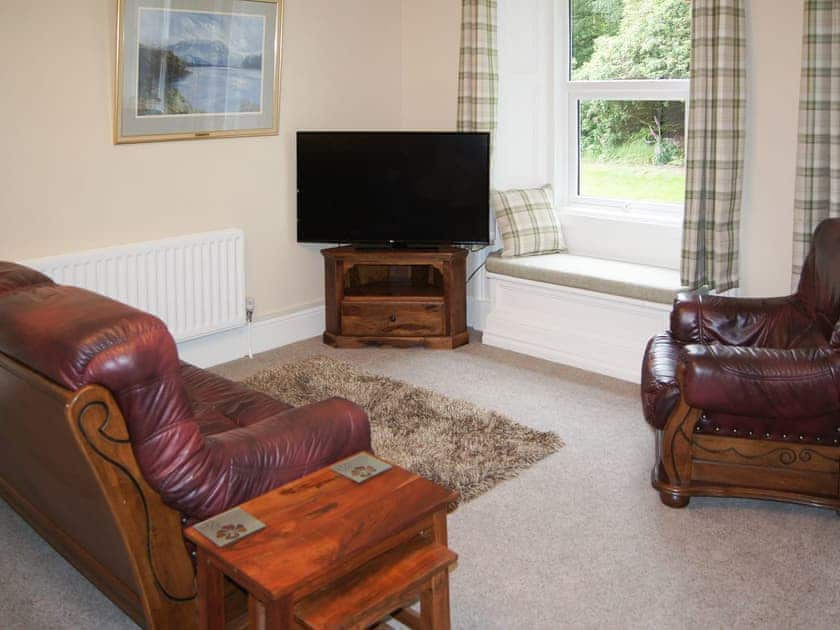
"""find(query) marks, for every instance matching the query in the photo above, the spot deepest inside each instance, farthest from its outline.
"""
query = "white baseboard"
(281, 330)
(266, 334)
(584, 329)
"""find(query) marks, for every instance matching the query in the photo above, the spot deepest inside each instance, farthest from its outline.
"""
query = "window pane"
(629, 39)
(632, 150)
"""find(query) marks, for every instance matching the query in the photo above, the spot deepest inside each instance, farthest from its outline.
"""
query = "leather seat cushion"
(219, 404)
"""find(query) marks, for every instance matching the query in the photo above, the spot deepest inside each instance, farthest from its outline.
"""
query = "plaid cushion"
(527, 222)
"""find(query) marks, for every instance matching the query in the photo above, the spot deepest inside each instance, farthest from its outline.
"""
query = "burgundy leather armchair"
(744, 394)
(109, 444)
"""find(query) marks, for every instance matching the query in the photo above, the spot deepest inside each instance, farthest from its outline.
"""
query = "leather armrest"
(703, 318)
(765, 382)
(317, 430)
(284, 447)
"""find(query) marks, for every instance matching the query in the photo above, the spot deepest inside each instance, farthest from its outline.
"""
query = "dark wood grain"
(373, 591)
(433, 343)
(434, 603)
(67, 466)
(397, 298)
(210, 583)
(392, 318)
(319, 521)
(323, 527)
(334, 289)
(690, 464)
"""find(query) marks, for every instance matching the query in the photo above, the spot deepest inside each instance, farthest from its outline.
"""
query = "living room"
(501, 383)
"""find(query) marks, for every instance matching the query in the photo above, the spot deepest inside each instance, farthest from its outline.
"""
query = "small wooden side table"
(336, 554)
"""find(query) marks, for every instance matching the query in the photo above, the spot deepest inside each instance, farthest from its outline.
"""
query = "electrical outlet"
(250, 307)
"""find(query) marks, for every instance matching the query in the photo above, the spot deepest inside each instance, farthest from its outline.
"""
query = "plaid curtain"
(818, 160)
(478, 77)
(715, 151)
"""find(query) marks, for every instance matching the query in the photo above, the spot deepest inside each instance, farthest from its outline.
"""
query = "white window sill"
(651, 215)
(632, 236)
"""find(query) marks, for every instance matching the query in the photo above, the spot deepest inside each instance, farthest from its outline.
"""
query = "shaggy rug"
(451, 442)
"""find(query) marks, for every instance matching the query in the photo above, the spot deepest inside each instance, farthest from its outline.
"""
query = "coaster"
(228, 527)
(360, 467)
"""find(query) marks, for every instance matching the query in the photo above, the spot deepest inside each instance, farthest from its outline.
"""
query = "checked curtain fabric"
(478, 77)
(478, 88)
(818, 158)
(715, 150)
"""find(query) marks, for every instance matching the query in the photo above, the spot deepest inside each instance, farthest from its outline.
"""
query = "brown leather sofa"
(109, 444)
(744, 394)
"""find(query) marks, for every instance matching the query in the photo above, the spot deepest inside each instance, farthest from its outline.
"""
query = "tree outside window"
(628, 71)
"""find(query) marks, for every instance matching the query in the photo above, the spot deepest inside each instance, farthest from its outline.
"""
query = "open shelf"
(402, 282)
(394, 290)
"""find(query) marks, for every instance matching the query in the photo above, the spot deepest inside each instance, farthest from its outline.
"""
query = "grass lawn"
(632, 182)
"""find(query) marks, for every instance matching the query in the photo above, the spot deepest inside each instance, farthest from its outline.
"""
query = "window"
(625, 84)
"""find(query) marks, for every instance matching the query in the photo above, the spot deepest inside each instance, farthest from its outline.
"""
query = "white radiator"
(194, 283)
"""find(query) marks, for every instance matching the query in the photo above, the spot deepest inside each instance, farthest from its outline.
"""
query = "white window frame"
(568, 94)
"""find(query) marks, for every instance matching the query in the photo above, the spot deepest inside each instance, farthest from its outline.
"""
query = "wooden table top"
(319, 522)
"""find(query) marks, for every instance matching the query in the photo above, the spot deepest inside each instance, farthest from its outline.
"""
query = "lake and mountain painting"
(196, 62)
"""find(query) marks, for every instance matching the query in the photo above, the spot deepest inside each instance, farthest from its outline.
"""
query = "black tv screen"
(409, 188)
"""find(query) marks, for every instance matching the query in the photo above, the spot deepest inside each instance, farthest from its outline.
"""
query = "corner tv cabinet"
(396, 297)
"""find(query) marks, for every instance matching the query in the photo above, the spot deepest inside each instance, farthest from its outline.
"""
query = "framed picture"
(189, 69)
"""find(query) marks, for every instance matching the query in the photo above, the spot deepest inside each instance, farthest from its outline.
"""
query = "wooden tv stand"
(396, 297)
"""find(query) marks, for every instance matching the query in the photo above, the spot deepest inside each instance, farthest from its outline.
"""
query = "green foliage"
(610, 129)
(651, 41)
(667, 152)
(592, 19)
(633, 152)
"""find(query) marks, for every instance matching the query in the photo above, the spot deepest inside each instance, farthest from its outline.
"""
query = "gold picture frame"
(175, 90)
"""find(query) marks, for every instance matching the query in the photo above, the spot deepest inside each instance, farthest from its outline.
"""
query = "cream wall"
(775, 47)
(431, 35)
(349, 64)
(66, 187)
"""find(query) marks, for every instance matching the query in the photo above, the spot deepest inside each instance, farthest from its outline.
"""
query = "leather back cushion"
(14, 277)
(819, 283)
(76, 338)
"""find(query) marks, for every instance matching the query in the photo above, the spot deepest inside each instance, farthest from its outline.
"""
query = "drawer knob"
(393, 317)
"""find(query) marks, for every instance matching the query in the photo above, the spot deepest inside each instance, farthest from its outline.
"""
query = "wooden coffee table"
(336, 554)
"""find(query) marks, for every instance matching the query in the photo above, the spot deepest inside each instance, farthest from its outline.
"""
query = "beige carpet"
(451, 442)
(579, 540)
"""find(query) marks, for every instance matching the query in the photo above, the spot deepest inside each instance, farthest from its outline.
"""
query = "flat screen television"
(393, 188)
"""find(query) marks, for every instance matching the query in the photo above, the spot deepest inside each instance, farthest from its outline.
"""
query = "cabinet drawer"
(395, 319)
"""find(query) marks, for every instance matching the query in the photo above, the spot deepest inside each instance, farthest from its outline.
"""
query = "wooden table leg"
(434, 604)
(278, 615)
(439, 528)
(211, 594)
(434, 601)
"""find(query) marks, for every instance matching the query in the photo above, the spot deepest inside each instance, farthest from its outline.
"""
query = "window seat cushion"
(640, 282)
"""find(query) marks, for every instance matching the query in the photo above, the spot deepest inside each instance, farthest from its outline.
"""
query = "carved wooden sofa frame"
(691, 464)
(67, 467)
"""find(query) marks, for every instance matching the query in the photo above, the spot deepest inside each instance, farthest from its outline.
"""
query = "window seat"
(590, 313)
(612, 277)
